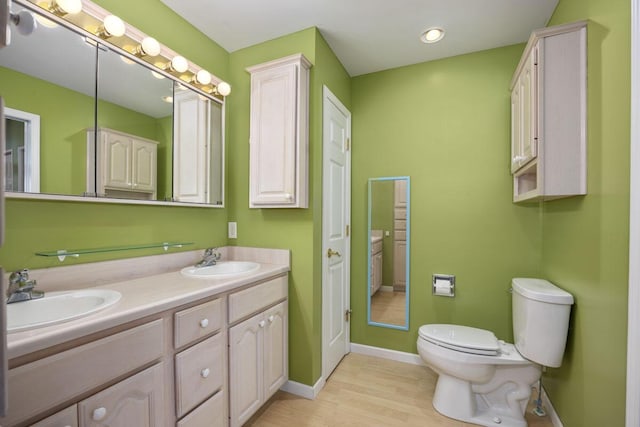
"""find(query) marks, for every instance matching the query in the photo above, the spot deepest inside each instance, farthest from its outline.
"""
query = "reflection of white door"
(336, 247)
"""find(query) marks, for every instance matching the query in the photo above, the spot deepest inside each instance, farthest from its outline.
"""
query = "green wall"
(296, 229)
(33, 225)
(585, 239)
(446, 125)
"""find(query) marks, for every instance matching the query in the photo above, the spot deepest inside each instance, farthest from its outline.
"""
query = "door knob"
(331, 252)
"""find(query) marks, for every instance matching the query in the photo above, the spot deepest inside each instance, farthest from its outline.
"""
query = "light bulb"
(223, 88)
(149, 46)
(113, 26)
(64, 7)
(179, 64)
(203, 77)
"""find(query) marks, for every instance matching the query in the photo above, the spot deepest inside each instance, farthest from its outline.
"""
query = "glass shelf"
(63, 253)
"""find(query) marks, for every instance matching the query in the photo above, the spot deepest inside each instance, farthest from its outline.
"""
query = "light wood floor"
(367, 391)
(389, 307)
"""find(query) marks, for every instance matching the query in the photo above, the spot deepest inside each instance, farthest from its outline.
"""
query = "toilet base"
(455, 399)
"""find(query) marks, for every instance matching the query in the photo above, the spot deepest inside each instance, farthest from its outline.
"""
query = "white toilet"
(486, 381)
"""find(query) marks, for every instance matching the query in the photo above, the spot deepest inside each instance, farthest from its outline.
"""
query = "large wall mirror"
(107, 127)
(388, 252)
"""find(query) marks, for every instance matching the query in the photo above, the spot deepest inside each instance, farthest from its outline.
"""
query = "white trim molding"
(303, 390)
(551, 411)
(384, 353)
(633, 315)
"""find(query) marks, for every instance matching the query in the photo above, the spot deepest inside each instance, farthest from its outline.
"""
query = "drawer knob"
(99, 414)
(262, 323)
(205, 373)
(204, 323)
(271, 318)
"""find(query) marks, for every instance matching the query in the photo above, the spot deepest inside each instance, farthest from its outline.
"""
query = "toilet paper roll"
(442, 287)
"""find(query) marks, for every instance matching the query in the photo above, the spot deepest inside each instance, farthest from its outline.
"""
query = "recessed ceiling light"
(432, 35)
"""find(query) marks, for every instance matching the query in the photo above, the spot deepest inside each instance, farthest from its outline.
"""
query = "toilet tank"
(540, 320)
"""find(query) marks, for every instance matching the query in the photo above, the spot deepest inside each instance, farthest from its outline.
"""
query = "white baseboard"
(399, 356)
(303, 390)
(553, 415)
(385, 288)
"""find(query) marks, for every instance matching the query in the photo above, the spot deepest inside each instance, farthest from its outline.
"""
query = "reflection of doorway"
(22, 153)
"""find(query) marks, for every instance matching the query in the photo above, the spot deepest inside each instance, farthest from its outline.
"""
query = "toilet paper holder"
(443, 285)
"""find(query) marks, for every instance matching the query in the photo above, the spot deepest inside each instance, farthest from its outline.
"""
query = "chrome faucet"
(211, 256)
(21, 288)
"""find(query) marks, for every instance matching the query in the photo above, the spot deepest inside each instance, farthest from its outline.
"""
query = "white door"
(336, 247)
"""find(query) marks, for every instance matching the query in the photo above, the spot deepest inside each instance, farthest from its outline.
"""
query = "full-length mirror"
(105, 126)
(388, 252)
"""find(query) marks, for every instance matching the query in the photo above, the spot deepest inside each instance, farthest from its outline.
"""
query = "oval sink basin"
(221, 269)
(58, 307)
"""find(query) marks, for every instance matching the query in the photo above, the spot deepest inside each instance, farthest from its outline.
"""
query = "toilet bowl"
(485, 381)
(486, 389)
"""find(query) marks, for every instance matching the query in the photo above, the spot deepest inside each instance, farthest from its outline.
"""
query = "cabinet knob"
(99, 414)
(262, 323)
(271, 318)
(205, 373)
(204, 323)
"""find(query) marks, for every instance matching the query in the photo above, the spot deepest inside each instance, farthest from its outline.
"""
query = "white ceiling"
(371, 35)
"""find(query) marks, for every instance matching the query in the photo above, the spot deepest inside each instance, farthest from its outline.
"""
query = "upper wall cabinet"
(548, 115)
(279, 134)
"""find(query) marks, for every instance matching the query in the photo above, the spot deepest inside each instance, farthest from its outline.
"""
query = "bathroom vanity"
(174, 351)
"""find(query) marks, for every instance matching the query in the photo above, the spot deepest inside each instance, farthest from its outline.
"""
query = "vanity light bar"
(133, 43)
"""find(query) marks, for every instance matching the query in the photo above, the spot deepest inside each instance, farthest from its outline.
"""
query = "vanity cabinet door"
(136, 401)
(245, 369)
(376, 272)
(275, 349)
(66, 418)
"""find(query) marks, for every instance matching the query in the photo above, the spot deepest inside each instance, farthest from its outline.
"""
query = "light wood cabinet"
(136, 401)
(125, 165)
(376, 266)
(153, 374)
(258, 361)
(66, 418)
(548, 115)
(279, 134)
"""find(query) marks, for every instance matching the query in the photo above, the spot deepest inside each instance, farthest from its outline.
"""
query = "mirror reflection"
(104, 125)
(388, 243)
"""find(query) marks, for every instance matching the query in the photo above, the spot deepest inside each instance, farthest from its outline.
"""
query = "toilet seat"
(461, 338)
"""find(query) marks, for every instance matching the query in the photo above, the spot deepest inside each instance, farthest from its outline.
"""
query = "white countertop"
(141, 297)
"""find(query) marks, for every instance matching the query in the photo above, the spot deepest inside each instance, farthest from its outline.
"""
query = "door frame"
(328, 96)
(633, 315)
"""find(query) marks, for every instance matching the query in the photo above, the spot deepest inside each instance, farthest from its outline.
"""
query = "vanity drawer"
(400, 224)
(200, 372)
(66, 418)
(400, 213)
(45, 383)
(197, 322)
(376, 247)
(253, 299)
(211, 413)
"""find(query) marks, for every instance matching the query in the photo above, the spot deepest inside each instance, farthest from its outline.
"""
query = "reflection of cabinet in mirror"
(399, 235)
(197, 152)
(278, 172)
(122, 165)
(376, 260)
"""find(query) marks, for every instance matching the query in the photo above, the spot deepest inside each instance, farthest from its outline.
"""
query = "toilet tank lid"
(541, 290)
